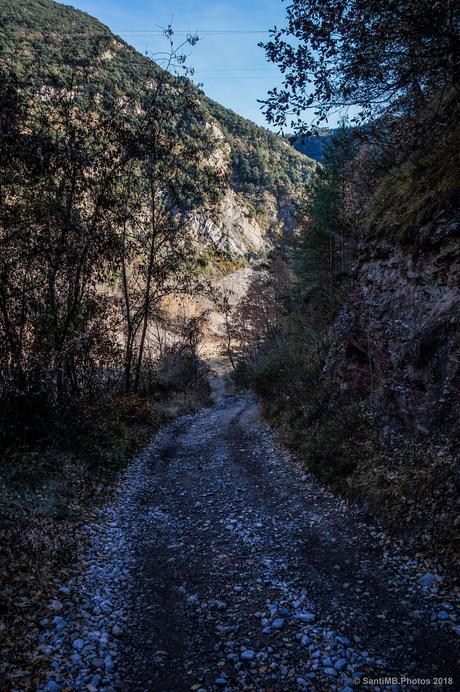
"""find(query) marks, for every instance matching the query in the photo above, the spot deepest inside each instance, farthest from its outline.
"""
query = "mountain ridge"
(262, 167)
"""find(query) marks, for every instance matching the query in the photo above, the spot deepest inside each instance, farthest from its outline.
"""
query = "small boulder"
(306, 617)
(340, 664)
(428, 579)
(56, 605)
(52, 686)
(331, 672)
(248, 655)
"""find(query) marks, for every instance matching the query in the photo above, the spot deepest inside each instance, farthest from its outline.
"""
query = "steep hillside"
(264, 172)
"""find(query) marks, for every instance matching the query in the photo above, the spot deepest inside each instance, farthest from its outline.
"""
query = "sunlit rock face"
(239, 231)
(234, 231)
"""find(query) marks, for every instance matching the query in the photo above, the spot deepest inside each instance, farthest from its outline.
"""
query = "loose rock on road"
(221, 566)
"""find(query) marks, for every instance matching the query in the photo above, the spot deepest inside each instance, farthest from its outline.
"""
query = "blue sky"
(231, 66)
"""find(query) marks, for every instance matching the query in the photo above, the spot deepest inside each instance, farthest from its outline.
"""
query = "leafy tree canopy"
(378, 55)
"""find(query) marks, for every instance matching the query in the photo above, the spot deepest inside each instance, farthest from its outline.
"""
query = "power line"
(235, 69)
(239, 77)
(206, 32)
(150, 32)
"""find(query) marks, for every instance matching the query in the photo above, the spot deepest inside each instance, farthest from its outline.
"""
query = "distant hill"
(313, 146)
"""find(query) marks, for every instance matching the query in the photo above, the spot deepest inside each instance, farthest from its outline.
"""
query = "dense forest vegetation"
(102, 168)
(313, 145)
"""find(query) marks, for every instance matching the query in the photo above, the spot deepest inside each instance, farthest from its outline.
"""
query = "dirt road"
(248, 575)
(223, 567)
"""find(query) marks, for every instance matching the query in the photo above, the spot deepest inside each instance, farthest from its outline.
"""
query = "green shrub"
(336, 445)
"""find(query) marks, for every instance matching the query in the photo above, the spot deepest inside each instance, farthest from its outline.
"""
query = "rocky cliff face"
(239, 231)
(397, 337)
(235, 231)
(245, 225)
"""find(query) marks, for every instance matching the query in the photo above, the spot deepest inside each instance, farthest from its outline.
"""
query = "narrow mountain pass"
(224, 567)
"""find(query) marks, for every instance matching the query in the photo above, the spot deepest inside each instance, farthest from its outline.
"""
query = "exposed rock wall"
(396, 339)
(240, 231)
(235, 231)
(244, 226)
